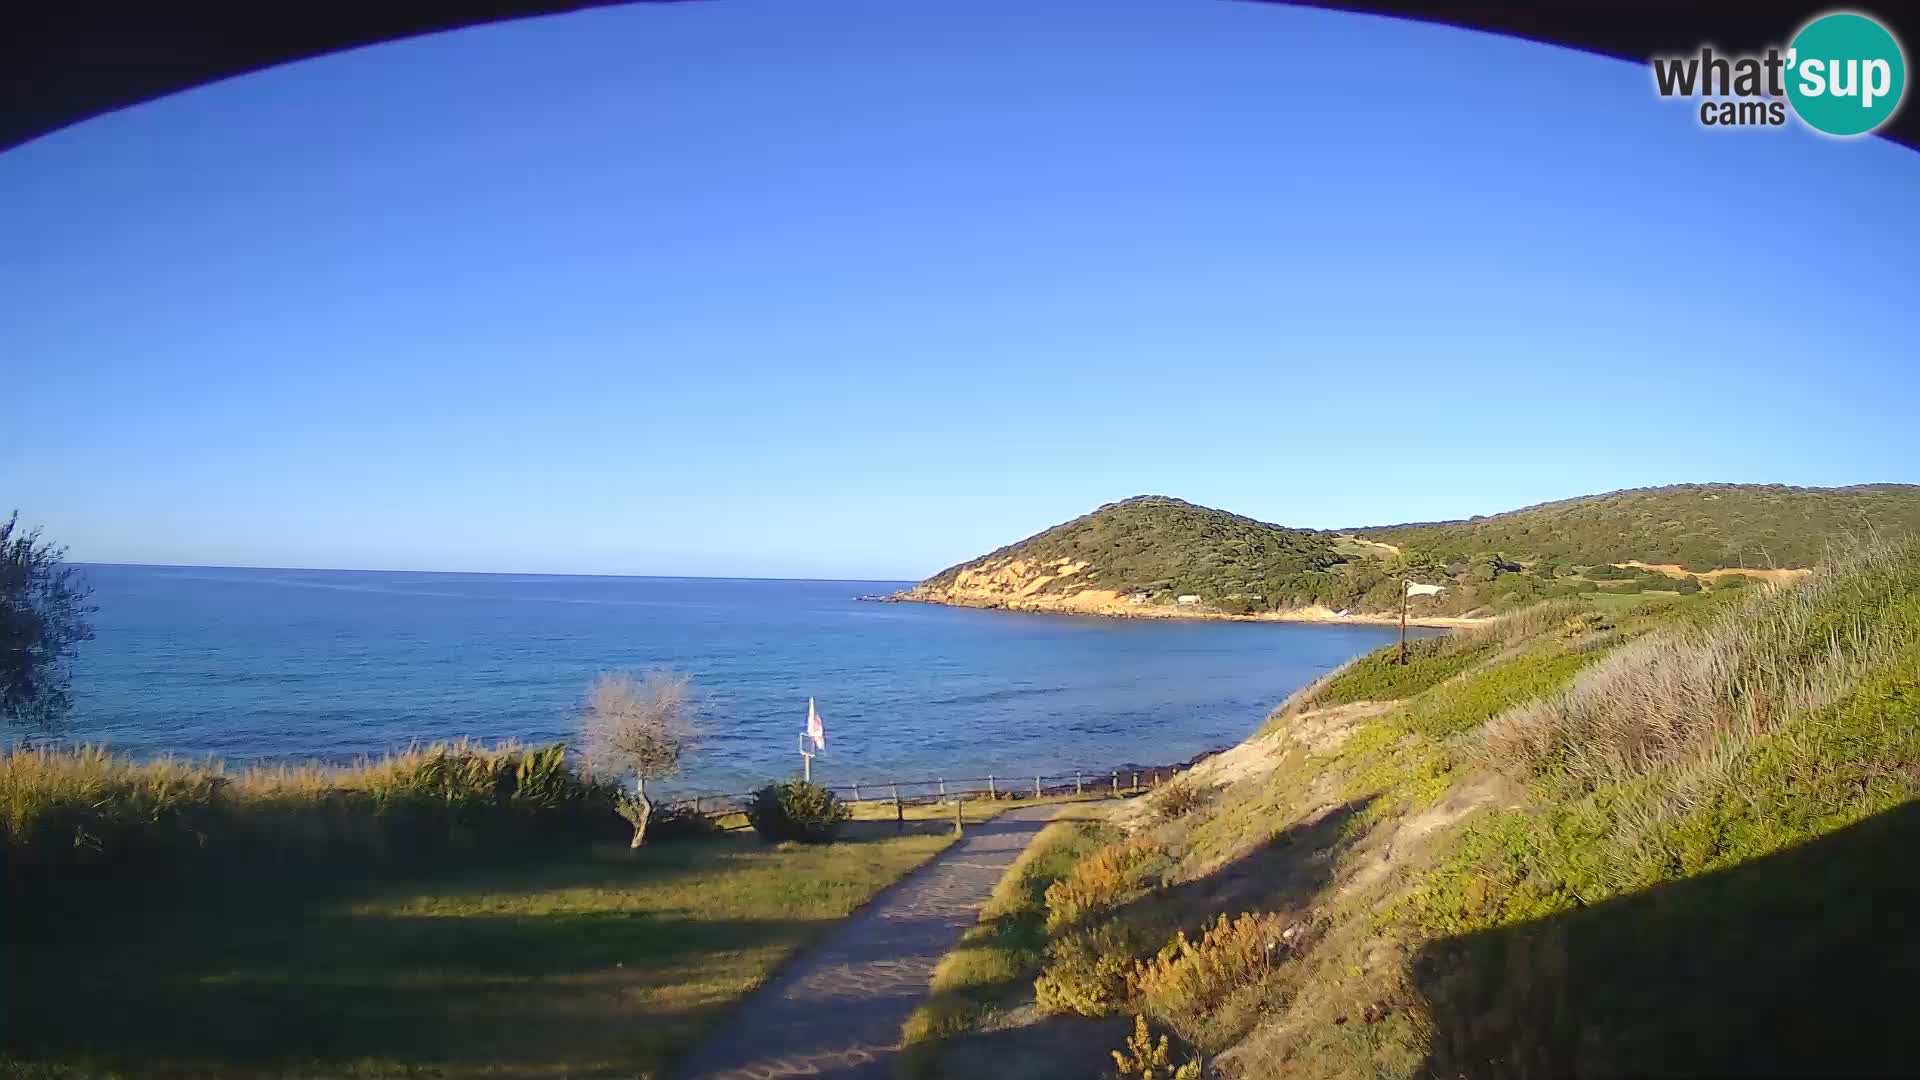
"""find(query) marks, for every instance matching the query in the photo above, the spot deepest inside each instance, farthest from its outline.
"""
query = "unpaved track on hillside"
(836, 1010)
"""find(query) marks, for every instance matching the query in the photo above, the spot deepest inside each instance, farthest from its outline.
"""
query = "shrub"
(1101, 882)
(1143, 1058)
(1182, 797)
(1189, 978)
(677, 821)
(1089, 970)
(796, 810)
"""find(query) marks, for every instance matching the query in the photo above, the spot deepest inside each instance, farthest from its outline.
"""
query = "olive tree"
(640, 728)
(43, 617)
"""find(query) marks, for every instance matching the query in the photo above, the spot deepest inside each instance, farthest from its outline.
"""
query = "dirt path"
(836, 1010)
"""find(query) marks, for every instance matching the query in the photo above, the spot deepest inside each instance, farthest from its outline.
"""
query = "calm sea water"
(295, 664)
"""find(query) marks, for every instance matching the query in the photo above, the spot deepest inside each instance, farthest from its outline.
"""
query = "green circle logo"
(1845, 74)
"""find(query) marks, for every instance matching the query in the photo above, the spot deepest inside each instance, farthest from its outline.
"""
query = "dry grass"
(1697, 695)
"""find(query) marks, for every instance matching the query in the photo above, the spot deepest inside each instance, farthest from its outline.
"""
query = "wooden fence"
(941, 789)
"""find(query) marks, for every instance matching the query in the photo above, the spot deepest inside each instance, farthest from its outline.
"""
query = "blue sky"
(793, 289)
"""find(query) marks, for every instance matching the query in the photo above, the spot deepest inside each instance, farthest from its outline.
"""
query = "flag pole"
(1403, 624)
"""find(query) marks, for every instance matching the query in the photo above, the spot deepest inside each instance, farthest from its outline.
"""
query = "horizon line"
(481, 573)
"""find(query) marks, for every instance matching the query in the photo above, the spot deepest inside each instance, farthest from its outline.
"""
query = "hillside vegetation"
(1144, 555)
(1564, 843)
(1149, 545)
(1695, 526)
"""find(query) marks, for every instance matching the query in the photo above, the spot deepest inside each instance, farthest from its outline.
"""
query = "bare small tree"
(639, 727)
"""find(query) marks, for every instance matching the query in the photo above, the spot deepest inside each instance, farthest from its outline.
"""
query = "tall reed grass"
(1690, 697)
(80, 810)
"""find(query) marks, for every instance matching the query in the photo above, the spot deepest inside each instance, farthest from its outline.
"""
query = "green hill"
(1149, 544)
(1697, 526)
(1146, 553)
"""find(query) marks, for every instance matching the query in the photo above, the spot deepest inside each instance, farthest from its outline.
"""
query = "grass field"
(1615, 603)
(594, 962)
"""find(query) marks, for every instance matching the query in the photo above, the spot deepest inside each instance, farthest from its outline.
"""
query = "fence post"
(1079, 788)
(1116, 782)
(1155, 781)
(943, 789)
(696, 806)
(991, 793)
(959, 826)
(1135, 786)
(856, 793)
(899, 811)
(1036, 787)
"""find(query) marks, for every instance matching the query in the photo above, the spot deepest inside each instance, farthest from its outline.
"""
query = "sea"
(262, 666)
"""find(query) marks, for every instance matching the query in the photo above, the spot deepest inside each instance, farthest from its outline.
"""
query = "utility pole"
(1403, 622)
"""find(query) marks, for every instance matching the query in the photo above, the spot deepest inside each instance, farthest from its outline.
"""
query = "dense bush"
(1236, 605)
(1191, 978)
(84, 810)
(1101, 882)
(1089, 970)
(796, 810)
(677, 821)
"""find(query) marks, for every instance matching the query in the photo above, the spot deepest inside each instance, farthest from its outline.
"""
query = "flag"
(1414, 588)
(815, 730)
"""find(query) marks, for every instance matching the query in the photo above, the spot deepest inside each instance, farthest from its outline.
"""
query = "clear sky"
(794, 289)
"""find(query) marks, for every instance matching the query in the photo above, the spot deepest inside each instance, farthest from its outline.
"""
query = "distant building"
(1138, 598)
(1189, 599)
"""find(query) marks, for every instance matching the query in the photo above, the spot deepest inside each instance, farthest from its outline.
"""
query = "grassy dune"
(1571, 842)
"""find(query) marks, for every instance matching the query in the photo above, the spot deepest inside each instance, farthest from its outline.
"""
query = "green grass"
(1459, 707)
(577, 963)
(1004, 952)
(1379, 676)
(1618, 603)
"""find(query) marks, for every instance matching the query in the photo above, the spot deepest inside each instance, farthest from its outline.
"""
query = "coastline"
(1315, 614)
